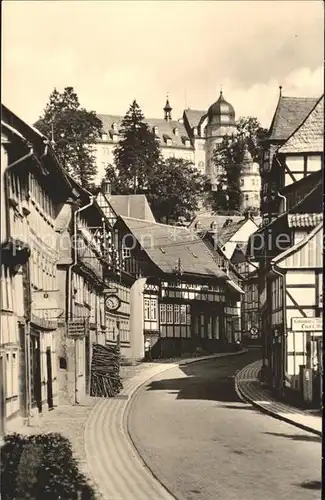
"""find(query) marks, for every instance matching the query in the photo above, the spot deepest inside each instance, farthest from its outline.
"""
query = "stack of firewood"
(105, 371)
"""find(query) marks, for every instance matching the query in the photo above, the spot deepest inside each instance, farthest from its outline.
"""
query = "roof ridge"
(299, 97)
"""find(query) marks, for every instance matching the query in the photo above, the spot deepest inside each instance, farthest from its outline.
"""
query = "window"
(183, 314)
(246, 197)
(153, 309)
(169, 314)
(150, 309)
(176, 313)
(163, 313)
(241, 182)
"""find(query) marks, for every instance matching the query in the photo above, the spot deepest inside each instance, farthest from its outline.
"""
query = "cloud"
(113, 52)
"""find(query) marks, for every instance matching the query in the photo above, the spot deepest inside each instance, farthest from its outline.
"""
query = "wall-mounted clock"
(112, 303)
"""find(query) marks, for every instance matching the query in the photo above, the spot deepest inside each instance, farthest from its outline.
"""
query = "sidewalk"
(98, 434)
(249, 388)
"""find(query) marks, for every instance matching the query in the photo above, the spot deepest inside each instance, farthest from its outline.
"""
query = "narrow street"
(204, 443)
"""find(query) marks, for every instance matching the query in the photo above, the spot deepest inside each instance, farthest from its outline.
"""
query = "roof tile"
(166, 244)
(309, 136)
(289, 114)
(165, 128)
(304, 220)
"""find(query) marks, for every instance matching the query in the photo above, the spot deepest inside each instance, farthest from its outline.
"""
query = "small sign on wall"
(76, 328)
(307, 324)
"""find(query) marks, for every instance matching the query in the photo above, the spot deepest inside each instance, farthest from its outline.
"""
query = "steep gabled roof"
(226, 233)
(164, 128)
(165, 245)
(289, 114)
(309, 136)
(132, 205)
(194, 117)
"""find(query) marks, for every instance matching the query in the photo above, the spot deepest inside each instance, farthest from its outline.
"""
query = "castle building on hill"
(194, 137)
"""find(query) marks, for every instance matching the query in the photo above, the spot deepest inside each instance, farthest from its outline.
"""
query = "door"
(35, 371)
(49, 378)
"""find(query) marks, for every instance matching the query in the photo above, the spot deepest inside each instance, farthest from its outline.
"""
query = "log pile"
(105, 371)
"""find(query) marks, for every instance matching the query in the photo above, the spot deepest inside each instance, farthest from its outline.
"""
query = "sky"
(113, 52)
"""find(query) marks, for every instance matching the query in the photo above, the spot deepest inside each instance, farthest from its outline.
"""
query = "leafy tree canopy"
(174, 189)
(74, 132)
(229, 155)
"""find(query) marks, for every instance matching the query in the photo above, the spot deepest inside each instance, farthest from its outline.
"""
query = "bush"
(41, 467)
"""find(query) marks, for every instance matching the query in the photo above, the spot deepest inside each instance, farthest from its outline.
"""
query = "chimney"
(106, 188)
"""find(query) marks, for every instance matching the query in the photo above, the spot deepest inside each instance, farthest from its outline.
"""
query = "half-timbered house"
(29, 310)
(95, 290)
(250, 311)
(184, 290)
(289, 252)
(293, 149)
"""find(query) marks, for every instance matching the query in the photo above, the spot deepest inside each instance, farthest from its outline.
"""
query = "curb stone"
(245, 398)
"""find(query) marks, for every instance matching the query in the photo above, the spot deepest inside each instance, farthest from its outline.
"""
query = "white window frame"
(163, 315)
(169, 314)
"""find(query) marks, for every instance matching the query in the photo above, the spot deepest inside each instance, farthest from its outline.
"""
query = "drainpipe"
(69, 299)
(75, 255)
(284, 324)
(284, 199)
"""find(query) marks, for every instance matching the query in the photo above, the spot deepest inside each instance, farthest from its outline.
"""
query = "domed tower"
(250, 183)
(221, 122)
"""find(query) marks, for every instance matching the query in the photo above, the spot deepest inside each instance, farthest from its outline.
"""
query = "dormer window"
(195, 131)
(186, 141)
(176, 132)
(156, 131)
(114, 127)
(114, 135)
(168, 140)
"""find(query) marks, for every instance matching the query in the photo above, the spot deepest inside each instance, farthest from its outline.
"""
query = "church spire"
(167, 110)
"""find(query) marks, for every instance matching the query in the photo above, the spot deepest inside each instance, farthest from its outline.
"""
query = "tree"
(137, 152)
(174, 189)
(74, 132)
(229, 156)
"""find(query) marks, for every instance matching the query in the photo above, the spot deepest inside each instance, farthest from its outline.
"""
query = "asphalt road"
(203, 443)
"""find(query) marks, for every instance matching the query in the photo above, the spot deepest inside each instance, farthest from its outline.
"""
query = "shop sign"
(307, 324)
(76, 327)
